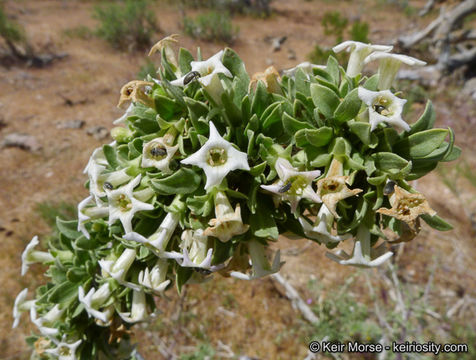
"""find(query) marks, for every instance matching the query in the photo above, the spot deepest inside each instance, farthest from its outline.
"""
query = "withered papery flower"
(271, 79)
(407, 207)
(333, 188)
(166, 44)
(227, 222)
(135, 91)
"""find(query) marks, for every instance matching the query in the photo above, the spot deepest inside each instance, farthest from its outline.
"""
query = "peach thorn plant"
(209, 166)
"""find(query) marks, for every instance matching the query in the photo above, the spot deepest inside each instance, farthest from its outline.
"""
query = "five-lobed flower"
(389, 66)
(227, 222)
(155, 278)
(358, 52)
(195, 249)
(160, 238)
(158, 153)
(383, 106)
(217, 157)
(32, 256)
(94, 300)
(363, 255)
(123, 204)
(20, 306)
(322, 228)
(293, 185)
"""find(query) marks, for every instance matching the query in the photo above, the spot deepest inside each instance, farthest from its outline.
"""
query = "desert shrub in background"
(247, 7)
(204, 351)
(397, 310)
(49, 211)
(80, 32)
(149, 68)
(10, 31)
(341, 317)
(126, 25)
(360, 32)
(404, 5)
(335, 25)
(416, 94)
(211, 26)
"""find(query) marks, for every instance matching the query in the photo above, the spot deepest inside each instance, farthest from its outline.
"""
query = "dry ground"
(252, 318)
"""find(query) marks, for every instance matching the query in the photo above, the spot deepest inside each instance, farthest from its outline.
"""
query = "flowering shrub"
(209, 166)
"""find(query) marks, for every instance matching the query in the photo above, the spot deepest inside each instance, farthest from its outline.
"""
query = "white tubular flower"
(389, 65)
(293, 185)
(305, 66)
(95, 299)
(321, 230)
(158, 153)
(363, 255)
(138, 309)
(64, 350)
(208, 70)
(155, 279)
(123, 205)
(227, 222)
(86, 213)
(195, 250)
(31, 256)
(21, 305)
(46, 322)
(160, 238)
(99, 181)
(41, 323)
(118, 268)
(383, 106)
(259, 262)
(358, 52)
(53, 315)
(127, 113)
(217, 157)
(97, 158)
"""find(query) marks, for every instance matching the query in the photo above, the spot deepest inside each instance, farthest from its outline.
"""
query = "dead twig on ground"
(296, 301)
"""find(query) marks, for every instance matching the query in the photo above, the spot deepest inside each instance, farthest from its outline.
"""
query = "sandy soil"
(256, 320)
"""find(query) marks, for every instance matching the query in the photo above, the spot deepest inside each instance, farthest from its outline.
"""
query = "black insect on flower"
(191, 76)
(285, 188)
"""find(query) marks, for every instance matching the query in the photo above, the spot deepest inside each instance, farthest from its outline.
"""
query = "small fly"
(379, 108)
(389, 187)
(157, 151)
(285, 188)
(191, 76)
(202, 271)
(108, 186)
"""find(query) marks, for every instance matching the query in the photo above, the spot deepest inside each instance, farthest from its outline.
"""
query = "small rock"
(99, 132)
(72, 124)
(22, 141)
(3, 123)
(469, 88)
(277, 42)
(291, 54)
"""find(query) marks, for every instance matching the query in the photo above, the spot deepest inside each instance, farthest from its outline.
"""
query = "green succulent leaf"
(325, 99)
(349, 107)
(184, 181)
(437, 222)
(421, 144)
